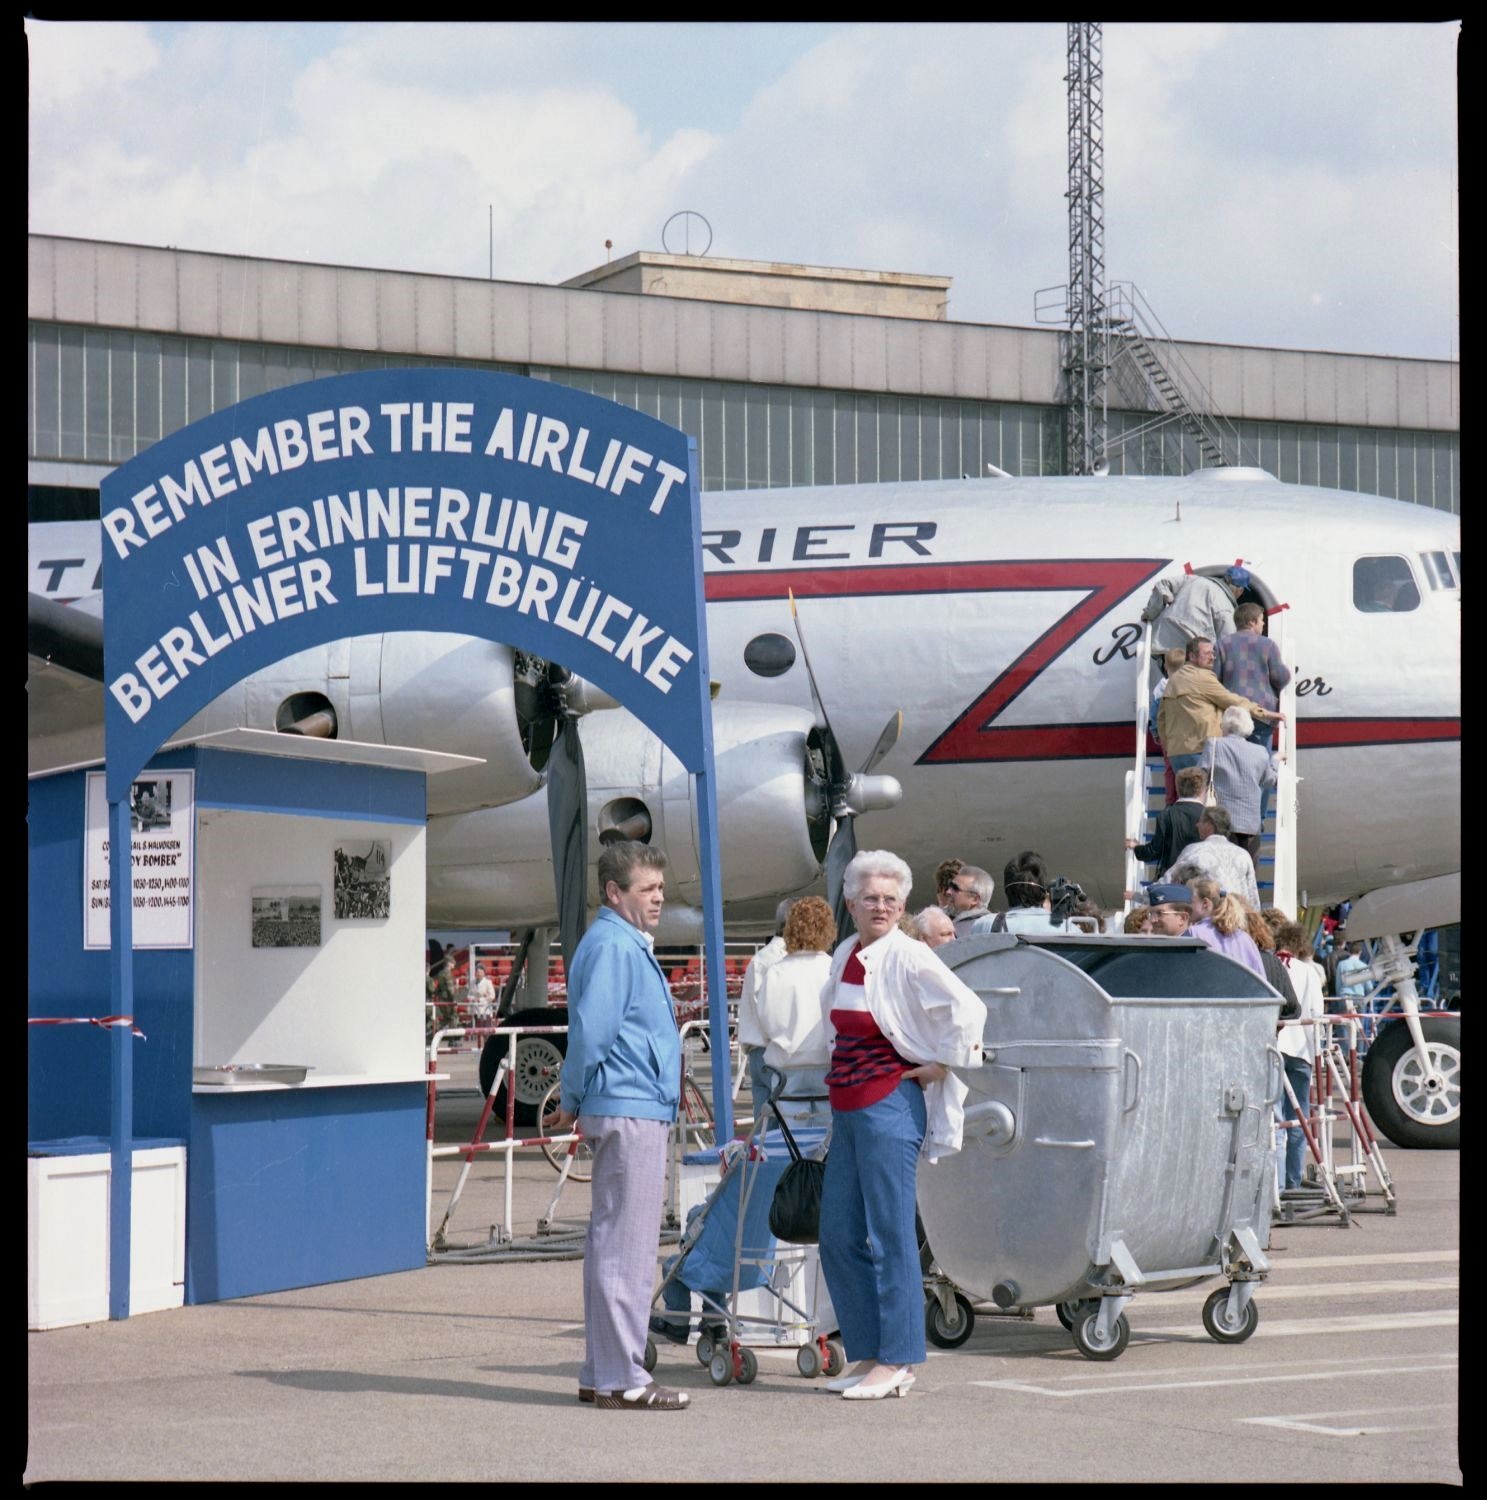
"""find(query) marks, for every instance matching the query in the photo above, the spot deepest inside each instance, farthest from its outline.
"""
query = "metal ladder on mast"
(1145, 789)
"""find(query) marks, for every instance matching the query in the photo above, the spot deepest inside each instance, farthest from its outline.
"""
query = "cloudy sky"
(1285, 185)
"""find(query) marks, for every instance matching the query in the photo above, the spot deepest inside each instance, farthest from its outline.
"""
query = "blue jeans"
(869, 1250)
(1298, 1070)
(758, 1083)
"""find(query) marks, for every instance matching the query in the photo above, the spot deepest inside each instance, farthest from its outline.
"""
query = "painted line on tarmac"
(1284, 1262)
(1317, 1421)
(1444, 1317)
(1029, 1388)
(1088, 1372)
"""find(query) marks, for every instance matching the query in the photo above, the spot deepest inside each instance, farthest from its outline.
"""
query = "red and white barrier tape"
(104, 1021)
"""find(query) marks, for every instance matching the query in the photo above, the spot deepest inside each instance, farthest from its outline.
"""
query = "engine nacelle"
(453, 693)
(496, 865)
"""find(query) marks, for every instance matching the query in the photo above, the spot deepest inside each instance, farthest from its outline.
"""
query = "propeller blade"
(567, 821)
(886, 741)
(836, 769)
(838, 856)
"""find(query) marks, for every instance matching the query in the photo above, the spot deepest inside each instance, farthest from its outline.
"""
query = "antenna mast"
(1087, 348)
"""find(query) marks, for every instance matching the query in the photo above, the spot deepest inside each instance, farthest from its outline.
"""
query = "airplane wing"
(64, 684)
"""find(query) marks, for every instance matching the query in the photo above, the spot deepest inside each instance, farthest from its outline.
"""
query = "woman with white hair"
(897, 1019)
(1239, 770)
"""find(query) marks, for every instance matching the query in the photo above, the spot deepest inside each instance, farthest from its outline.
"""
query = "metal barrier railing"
(694, 1130)
(506, 1073)
(1333, 1189)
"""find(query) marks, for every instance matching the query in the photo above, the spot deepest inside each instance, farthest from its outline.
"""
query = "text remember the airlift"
(432, 539)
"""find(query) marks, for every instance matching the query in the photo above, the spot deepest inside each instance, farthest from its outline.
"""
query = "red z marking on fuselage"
(972, 737)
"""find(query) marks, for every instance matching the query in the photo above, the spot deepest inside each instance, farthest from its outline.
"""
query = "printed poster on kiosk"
(162, 815)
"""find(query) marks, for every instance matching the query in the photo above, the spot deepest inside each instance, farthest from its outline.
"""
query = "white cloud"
(71, 62)
(365, 167)
(1249, 168)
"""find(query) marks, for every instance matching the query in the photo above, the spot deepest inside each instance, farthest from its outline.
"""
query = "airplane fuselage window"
(1384, 585)
(1438, 572)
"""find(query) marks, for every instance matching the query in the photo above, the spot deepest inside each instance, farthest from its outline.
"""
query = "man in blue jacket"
(621, 1081)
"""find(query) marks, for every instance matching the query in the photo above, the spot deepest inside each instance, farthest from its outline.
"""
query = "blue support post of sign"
(121, 1056)
(707, 842)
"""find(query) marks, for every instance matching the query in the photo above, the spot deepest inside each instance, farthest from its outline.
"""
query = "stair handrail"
(1283, 871)
(1126, 303)
(1135, 787)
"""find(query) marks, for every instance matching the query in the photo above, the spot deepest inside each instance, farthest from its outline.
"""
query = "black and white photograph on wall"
(364, 880)
(286, 916)
(149, 806)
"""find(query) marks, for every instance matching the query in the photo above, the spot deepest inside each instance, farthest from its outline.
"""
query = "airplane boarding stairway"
(1145, 789)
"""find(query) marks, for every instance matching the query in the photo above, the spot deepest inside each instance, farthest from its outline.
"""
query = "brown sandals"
(651, 1397)
(586, 1394)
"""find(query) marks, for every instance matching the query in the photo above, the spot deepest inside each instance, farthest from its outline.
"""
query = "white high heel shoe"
(898, 1385)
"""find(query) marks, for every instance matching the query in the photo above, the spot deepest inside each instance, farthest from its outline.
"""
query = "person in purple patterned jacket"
(1248, 662)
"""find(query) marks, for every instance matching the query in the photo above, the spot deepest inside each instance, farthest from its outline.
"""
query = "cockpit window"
(1438, 572)
(1384, 585)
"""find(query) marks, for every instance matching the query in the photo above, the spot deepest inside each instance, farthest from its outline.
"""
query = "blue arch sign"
(467, 501)
(462, 501)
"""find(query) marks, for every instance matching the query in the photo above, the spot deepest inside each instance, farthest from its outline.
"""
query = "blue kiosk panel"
(295, 1187)
(67, 1068)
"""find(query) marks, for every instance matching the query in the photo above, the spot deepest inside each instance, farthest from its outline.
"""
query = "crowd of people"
(862, 1030)
(866, 1028)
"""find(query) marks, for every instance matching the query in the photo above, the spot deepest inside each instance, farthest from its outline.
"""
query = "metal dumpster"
(1118, 1137)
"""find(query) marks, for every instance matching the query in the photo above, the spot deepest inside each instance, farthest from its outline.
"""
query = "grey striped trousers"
(619, 1263)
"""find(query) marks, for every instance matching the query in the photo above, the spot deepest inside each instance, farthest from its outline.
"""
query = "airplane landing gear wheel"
(538, 1062)
(1395, 1085)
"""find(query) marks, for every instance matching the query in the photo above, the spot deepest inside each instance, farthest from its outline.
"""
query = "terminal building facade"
(785, 374)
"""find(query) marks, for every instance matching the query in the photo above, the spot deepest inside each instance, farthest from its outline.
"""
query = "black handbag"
(795, 1210)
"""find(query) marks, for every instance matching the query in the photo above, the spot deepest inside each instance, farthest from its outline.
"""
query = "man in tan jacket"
(1191, 709)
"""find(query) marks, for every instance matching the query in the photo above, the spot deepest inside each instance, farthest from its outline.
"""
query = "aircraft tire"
(541, 1058)
(1396, 1105)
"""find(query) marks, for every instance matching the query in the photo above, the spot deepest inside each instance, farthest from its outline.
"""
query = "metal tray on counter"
(228, 1075)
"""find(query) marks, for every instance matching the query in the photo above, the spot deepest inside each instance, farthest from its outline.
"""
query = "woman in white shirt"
(787, 1003)
(896, 1017)
(1298, 1043)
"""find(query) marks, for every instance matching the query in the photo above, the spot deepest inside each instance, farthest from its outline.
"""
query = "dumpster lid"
(1128, 967)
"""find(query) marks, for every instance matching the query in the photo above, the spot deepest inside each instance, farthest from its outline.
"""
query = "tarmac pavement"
(468, 1371)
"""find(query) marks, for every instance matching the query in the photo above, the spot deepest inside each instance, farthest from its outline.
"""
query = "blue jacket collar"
(608, 914)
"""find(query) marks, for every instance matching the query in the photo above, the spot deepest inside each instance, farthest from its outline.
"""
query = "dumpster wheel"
(1068, 1311)
(1214, 1309)
(949, 1332)
(1086, 1336)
